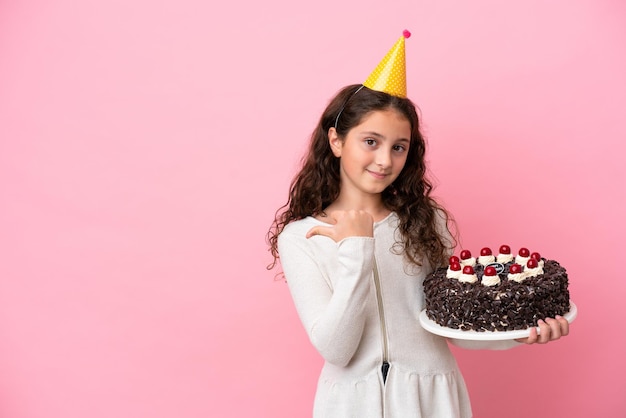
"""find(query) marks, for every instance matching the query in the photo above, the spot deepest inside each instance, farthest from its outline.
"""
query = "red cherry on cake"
(490, 271)
(485, 252)
(523, 252)
(455, 266)
(515, 269)
(505, 249)
(468, 270)
(532, 264)
(465, 254)
(536, 256)
(453, 259)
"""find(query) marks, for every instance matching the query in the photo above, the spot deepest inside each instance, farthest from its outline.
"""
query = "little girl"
(356, 238)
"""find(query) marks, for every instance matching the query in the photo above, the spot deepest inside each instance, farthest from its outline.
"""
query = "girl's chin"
(376, 190)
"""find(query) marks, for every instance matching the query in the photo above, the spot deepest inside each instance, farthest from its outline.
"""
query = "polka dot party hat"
(390, 74)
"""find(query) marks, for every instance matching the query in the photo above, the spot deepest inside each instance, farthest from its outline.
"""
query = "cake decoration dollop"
(454, 271)
(486, 257)
(516, 273)
(490, 277)
(522, 256)
(532, 268)
(468, 275)
(504, 254)
(467, 259)
(537, 257)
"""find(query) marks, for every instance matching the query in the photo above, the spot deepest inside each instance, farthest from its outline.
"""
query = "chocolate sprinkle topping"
(504, 307)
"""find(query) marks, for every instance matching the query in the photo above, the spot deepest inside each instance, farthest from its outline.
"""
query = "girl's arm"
(331, 309)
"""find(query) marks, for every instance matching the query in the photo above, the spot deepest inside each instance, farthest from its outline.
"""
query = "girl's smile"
(378, 175)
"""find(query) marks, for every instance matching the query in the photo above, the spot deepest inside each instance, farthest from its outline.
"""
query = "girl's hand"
(351, 223)
(550, 329)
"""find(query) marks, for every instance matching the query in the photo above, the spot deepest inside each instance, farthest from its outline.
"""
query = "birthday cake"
(496, 293)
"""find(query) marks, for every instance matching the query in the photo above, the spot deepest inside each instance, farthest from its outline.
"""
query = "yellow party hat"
(390, 74)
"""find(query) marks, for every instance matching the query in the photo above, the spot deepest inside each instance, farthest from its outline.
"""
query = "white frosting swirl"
(453, 274)
(468, 278)
(521, 260)
(486, 259)
(490, 280)
(517, 277)
(528, 272)
(468, 262)
(504, 258)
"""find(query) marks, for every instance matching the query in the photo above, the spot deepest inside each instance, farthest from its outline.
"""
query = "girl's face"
(373, 153)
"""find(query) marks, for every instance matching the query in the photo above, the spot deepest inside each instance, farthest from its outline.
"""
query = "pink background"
(145, 145)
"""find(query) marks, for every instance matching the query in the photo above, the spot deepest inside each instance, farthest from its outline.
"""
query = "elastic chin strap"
(345, 104)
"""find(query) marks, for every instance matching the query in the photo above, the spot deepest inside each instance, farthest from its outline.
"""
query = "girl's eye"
(370, 141)
(399, 148)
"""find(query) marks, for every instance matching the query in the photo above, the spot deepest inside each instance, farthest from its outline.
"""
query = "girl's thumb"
(319, 230)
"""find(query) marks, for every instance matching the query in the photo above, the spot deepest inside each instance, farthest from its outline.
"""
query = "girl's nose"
(383, 159)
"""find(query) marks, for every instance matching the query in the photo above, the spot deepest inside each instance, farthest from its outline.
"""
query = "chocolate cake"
(500, 293)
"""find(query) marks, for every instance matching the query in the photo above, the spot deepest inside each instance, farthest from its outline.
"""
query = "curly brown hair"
(318, 183)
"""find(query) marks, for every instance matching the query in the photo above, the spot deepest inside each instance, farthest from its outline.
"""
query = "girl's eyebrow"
(372, 133)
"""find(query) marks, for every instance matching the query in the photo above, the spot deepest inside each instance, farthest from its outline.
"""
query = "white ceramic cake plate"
(431, 326)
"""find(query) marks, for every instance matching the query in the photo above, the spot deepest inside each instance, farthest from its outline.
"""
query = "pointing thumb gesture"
(351, 223)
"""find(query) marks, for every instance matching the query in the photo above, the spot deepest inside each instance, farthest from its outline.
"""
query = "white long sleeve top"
(357, 320)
